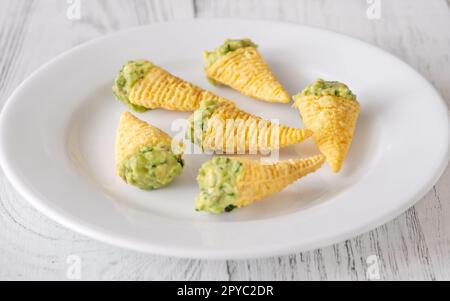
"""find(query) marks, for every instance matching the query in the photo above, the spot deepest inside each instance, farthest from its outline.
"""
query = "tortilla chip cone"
(251, 181)
(223, 127)
(333, 121)
(144, 155)
(261, 180)
(152, 87)
(160, 89)
(246, 71)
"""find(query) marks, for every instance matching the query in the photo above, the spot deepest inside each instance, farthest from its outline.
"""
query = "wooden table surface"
(414, 246)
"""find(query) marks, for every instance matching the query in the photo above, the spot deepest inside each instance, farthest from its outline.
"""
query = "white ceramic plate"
(57, 143)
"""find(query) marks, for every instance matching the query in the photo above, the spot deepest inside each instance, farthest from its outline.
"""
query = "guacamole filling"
(228, 46)
(217, 180)
(128, 76)
(327, 88)
(152, 167)
(198, 121)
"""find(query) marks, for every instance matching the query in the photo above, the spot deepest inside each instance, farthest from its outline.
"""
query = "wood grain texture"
(414, 246)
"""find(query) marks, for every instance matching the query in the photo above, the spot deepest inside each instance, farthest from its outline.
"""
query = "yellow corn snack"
(223, 127)
(229, 183)
(332, 118)
(239, 64)
(143, 85)
(144, 155)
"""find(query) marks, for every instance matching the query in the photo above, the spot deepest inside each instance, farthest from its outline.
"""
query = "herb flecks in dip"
(327, 88)
(198, 121)
(152, 167)
(128, 76)
(217, 180)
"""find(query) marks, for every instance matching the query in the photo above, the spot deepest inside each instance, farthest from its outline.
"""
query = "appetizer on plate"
(238, 64)
(223, 127)
(229, 183)
(330, 110)
(144, 86)
(146, 157)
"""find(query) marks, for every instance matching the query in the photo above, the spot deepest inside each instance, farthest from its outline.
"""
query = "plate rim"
(181, 251)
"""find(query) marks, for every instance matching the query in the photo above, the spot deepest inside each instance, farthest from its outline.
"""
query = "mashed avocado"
(128, 76)
(152, 167)
(327, 88)
(226, 47)
(199, 119)
(217, 182)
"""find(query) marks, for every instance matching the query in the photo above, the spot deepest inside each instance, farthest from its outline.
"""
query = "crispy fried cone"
(232, 130)
(132, 134)
(160, 89)
(246, 71)
(333, 120)
(260, 180)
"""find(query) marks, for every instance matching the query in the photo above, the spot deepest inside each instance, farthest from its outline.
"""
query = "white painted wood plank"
(416, 245)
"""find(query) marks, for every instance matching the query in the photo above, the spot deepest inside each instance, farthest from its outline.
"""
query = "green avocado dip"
(228, 46)
(152, 167)
(128, 76)
(217, 180)
(327, 88)
(198, 121)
